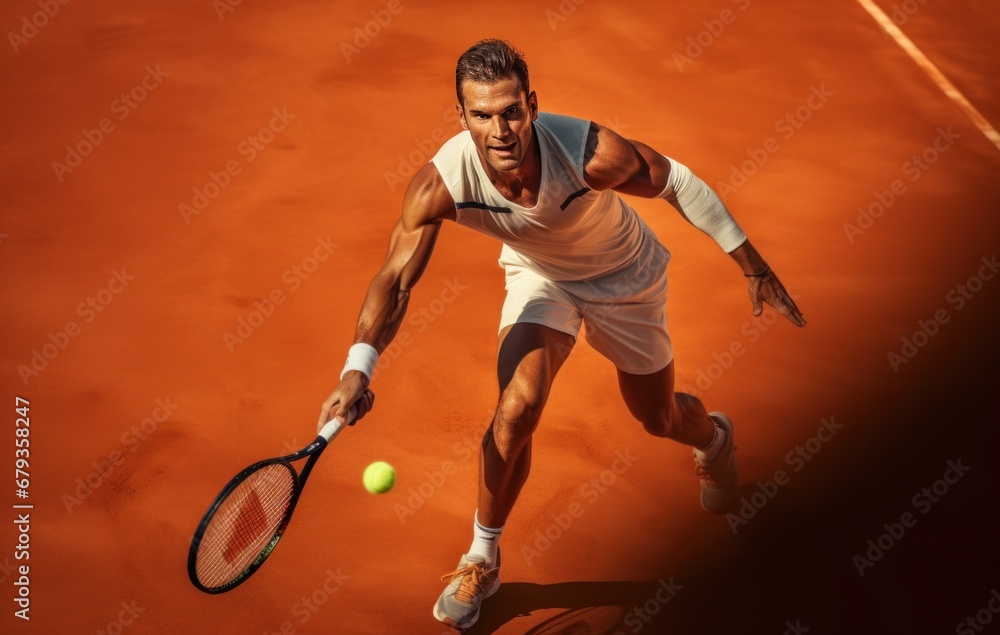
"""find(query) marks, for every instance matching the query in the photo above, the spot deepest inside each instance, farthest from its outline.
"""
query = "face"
(499, 117)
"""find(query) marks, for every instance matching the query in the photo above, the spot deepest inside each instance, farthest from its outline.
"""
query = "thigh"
(649, 397)
(528, 357)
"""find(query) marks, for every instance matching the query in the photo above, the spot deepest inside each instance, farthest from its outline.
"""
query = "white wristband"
(362, 357)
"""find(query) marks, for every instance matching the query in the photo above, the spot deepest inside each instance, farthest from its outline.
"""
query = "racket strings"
(244, 524)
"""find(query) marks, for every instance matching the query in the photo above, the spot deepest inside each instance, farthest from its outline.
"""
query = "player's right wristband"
(362, 357)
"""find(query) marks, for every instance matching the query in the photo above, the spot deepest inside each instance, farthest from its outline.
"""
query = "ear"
(461, 116)
(533, 105)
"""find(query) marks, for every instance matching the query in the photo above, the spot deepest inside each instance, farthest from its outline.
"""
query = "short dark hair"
(490, 61)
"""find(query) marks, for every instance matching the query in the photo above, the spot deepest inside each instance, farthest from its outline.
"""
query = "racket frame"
(313, 450)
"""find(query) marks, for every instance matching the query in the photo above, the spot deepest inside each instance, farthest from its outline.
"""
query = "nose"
(500, 128)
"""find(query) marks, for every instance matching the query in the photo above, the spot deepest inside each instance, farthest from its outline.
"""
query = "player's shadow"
(592, 608)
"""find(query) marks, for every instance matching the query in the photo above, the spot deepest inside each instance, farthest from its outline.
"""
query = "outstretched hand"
(767, 288)
(352, 391)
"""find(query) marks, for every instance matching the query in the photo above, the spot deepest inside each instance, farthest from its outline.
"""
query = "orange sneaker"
(468, 585)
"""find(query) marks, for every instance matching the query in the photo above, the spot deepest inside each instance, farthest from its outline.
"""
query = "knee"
(516, 417)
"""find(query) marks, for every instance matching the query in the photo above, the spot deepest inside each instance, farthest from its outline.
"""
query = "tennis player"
(547, 186)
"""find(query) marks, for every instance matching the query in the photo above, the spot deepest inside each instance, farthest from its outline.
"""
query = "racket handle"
(334, 426)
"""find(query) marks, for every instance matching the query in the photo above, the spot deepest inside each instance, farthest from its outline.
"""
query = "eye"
(512, 110)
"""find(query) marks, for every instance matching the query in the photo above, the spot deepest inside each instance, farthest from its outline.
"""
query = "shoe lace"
(704, 472)
(471, 578)
(709, 470)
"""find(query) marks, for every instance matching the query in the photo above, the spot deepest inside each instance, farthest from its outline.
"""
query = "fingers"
(793, 313)
(771, 290)
(324, 412)
(787, 307)
(365, 403)
(339, 406)
(756, 299)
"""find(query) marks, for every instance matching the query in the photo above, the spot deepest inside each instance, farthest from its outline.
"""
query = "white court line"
(949, 89)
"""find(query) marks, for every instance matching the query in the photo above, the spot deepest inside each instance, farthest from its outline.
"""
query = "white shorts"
(625, 312)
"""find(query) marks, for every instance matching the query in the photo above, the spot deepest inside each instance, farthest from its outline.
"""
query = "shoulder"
(609, 159)
(569, 132)
(453, 157)
(562, 123)
(427, 198)
(460, 139)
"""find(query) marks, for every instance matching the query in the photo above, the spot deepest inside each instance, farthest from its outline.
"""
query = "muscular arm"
(425, 204)
(632, 167)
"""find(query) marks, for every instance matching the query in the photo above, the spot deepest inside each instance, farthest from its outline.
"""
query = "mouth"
(504, 151)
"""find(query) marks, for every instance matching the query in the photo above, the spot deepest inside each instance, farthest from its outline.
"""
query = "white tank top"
(572, 233)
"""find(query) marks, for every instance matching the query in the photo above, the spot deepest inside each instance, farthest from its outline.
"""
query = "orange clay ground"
(178, 302)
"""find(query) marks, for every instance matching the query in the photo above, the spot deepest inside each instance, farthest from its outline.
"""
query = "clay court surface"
(179, 301)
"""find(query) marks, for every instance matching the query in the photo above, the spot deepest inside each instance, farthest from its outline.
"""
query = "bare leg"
(679, 416)
(529, 357)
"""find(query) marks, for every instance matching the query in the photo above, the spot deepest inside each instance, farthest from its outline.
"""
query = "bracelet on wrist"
(763, 272)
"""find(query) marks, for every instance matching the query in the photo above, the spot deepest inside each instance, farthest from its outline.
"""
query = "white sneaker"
(468, 585)
(720, 476)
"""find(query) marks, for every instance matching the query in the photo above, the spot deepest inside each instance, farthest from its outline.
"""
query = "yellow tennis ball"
(379, 477)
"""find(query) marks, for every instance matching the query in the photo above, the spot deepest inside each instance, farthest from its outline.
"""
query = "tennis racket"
(248, 517)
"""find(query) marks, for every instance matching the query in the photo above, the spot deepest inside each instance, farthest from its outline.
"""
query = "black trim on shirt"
(569, 199)
(478, 205)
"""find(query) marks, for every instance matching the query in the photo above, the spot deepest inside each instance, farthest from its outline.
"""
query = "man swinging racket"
(547, 186)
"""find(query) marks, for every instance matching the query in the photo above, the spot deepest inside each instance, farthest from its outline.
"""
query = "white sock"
(485, 541)
(710, 451)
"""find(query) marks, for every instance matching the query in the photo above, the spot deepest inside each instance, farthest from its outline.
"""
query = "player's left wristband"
(361, 357)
